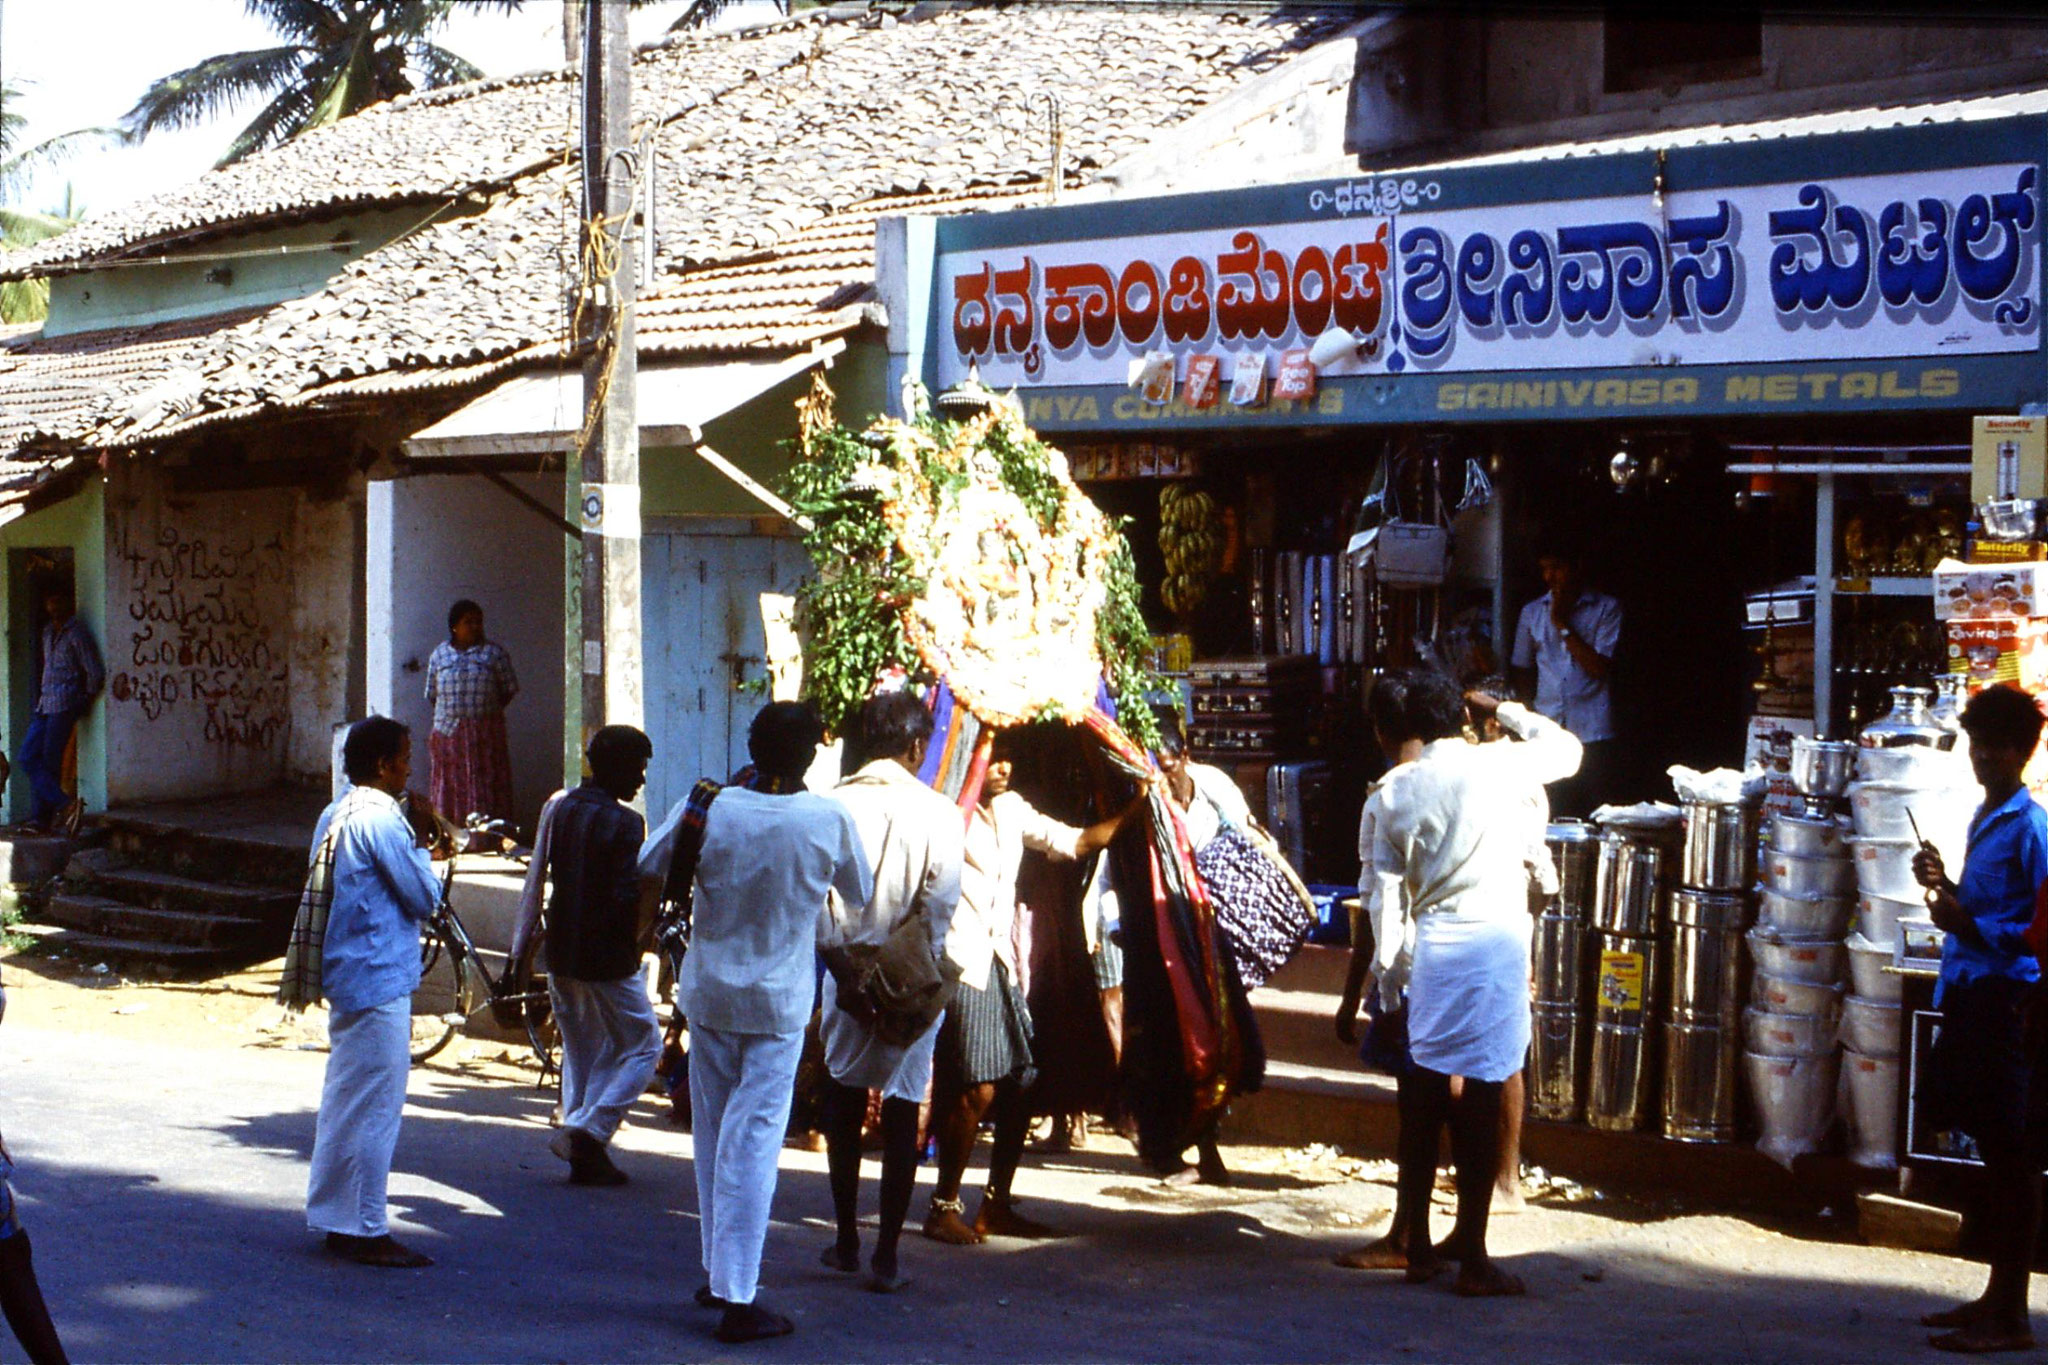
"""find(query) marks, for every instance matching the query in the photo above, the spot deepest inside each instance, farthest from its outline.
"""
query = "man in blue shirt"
(383, 886)
(72, 677)
(1981, 1076)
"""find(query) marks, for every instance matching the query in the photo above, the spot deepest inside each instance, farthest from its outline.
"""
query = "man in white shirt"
(1564, 657)
(912, 837)
(1449, 859)
(984, 1054)
(763, 871)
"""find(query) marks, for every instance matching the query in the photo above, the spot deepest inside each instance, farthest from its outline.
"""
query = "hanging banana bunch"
(1192, 542)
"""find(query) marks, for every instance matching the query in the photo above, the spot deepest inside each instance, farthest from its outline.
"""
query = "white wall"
(198, 638)
(434, 539)
(323, 597)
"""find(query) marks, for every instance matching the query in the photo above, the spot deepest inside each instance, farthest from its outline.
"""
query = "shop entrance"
(32, 575)
(706, 646)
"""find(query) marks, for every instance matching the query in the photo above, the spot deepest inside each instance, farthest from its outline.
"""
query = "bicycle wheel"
(440, 1005)
(541, 1032)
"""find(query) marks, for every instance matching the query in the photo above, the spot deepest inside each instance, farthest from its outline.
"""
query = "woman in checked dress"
(469, 683)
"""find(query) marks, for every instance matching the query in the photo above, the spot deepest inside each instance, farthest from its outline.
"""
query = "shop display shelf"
(1887, 586)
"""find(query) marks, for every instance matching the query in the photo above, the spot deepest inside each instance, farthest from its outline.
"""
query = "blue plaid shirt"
(466, 684)
(72, 675)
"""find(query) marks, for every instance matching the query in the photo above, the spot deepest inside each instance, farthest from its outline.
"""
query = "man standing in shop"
(1564, 657)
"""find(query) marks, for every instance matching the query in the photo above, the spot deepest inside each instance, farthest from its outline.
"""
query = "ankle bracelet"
(952, 1206)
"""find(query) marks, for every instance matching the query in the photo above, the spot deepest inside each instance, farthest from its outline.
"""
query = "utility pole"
(605, 664)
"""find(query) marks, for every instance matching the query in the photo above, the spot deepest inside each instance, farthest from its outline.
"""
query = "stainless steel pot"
(1575, 849)
(1700, 1063)
(1618, 1097)
(1632, 877)
(1558, 958)
(1821, 960)
(1909, 721)
(1808, 917)
(1808, 836)
(1720, 845)
(1822, 767)
(1706, 957)
(1557, 1063)
(1796, 876)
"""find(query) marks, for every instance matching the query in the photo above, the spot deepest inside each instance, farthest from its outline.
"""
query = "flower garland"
(962, 550)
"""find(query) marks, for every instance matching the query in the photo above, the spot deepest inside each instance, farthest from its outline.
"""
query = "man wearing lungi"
(1450, 834)
(588, 848)
(912, 837)
(763, 868)
(984, 1058)
(382, 887)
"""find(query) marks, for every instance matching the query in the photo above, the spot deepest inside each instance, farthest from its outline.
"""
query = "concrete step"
(1297, 1011)
(176, 929)
(91, 947)
(30, 858)
(227, 858)
(106, 872)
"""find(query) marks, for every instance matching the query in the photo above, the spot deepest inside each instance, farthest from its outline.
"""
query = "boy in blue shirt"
(1981, 1076)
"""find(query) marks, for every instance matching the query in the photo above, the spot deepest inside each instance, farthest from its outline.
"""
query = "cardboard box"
(2008, 651)
(2007, 551)
(2009, 458)
(1990, 592)
(1769, 747)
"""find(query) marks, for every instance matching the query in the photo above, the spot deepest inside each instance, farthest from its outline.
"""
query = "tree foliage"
(28, 300)
(333, 58)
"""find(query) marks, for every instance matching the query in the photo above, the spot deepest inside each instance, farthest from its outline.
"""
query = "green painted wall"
(137, 294)
(679, 483)
(77, 524)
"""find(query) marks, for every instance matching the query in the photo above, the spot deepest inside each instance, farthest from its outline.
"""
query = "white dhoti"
(741, 1085)
(610, 1045)
(1468, 996)
(855, 1057)
(369, 1057)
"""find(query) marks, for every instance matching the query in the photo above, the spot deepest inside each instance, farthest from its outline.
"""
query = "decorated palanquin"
(961, 559)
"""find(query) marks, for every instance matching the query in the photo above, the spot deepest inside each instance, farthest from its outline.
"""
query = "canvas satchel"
(898, 988)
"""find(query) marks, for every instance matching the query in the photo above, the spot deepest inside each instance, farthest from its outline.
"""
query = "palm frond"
(279, 121)
(702, 14)
(211, 88)
(17, 170)
(21, 227)
(441, 67)
(314, 23)
(350, 85)
(24, 301)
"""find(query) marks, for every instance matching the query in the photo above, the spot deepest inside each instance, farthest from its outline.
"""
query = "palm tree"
(335, 58)
(28, 300)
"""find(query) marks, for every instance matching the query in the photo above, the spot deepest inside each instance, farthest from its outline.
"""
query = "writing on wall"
(200, 639)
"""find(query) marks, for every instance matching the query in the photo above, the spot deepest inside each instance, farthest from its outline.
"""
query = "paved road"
(163, 1184)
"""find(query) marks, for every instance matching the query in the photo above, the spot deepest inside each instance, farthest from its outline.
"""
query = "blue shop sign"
(1884, 270)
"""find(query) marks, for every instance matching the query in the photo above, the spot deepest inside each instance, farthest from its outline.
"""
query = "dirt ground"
(161, 1130)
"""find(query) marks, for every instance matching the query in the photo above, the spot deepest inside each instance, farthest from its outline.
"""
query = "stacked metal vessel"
(1712, 908)
(1913, 785)
(1632, 890)
(1808, 895)
(1559, 1055)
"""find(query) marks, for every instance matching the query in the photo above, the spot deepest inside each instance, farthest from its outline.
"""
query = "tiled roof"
(781, 131)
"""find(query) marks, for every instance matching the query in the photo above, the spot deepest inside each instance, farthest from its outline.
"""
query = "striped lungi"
(987, 1034)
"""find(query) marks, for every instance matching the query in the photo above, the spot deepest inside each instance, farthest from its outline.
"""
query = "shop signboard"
(1892, 269)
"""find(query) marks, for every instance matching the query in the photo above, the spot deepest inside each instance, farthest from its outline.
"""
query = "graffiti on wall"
(198, 636)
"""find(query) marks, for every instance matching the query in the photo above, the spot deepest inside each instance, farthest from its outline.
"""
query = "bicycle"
(450, 967)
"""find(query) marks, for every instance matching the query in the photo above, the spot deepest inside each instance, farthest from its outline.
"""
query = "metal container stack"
(1632, 890)
(1558, 1053)
(1912, 786)
(1791, 1025)
(1709, 914)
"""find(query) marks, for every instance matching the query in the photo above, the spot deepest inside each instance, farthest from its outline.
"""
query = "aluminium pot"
(1869, 971)
(1822, 767)
(1893, 810)
(1789, 1035)
(1781, 995)
(1796, 876)
(1872, 1027)
(1818, 960)
(1809, 836)
(1719, 853)
(1884, 867)
(1877, 918)
(1806, 916)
